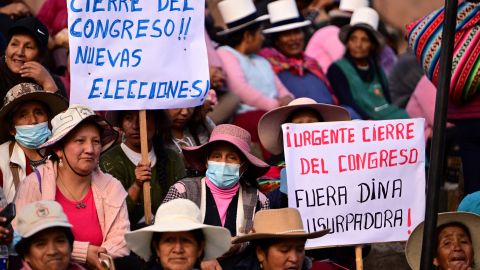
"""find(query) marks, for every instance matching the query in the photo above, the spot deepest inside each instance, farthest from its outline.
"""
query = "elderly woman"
(457, 242)
(24, 126)
(123, 161)
(228, 194)
(94, 202)
(277, 241)
(357, 78)
(178, 239)
(27, 46)
(301, 74)
(46, 237)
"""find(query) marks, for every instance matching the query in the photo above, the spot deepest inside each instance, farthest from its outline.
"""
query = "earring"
(60, 163)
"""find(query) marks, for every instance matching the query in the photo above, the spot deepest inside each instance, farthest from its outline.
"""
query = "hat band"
(233, 140)
(243, 20)
(287, 21)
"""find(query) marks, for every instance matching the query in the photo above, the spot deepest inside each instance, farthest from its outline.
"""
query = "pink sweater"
(109, 196)
(325, 46)
(239, 85)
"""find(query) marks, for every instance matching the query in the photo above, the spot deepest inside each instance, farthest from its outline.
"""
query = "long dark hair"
(235, 38)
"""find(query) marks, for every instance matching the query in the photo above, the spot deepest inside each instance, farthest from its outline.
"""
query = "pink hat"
(238, 137)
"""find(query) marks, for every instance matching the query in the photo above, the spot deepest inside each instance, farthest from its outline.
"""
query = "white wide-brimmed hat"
(346, 8)
(471, 221)
(284, 16)
(365, 18)
(269, 126)
(67, 120)
(179, 215)
(238, 14)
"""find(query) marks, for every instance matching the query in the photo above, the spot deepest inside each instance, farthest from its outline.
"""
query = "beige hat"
(179, 215)
(284, 16)
(269, 126)
(24, 92)
(365, 18)
(278, 223)
(413, 249)
(66, 121)
(40, 215)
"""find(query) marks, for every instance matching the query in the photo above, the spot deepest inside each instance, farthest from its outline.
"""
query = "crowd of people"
(216, 172)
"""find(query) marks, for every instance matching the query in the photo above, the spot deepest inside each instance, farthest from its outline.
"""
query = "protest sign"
(364, 180)
(132, 54)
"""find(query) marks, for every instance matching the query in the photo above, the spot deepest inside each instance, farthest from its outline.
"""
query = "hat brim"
(346, 30)
(55, 103)
(470, 220)
(47, 225)
(217, 239)
(258, 236)
(236, 28)
(270, 123)
(286, 27)
(109, 135)
(197, 158)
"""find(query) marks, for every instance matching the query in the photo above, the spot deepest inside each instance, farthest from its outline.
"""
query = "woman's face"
(82, 148)
(304, 117)
(21, 48)
(49, 250)
(359, 44)
(225, 152)
(255, 41)
(180, 117)
(178, 250)
(286, 254)
(29, 113)
(454, 248)
(131, 128)
(291, 43)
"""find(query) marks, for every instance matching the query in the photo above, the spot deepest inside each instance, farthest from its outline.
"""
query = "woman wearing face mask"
(228, 195)
(25, 117)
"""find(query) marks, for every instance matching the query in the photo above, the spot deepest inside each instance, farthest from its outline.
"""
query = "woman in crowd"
(249, 76)
(46, 237)
(456, 243)
(357, 78)
(229, 187)
(189, 127)
(24, 118)
(301, 74)
(178, 239)
(277, 242)
(123, 161)
(94, 202)
(26, 48)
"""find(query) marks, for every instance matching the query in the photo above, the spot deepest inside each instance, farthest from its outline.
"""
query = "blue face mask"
(32, 136)
(223, 175)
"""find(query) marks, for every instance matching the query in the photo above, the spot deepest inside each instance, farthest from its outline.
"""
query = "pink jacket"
(325, 46)
(239, 85)
(422, 104)
(71, 266)
(109, 196)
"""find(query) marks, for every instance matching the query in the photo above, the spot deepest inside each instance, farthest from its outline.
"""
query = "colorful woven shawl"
(424, 37)
(296, 66)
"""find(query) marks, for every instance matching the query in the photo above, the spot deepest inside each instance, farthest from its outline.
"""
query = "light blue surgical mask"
(32, 136)
(223, 175)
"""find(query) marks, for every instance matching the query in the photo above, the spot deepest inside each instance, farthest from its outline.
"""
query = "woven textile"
(425, 35)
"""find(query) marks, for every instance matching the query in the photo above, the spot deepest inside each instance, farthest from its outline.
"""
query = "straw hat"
(238, 14)
(238, 137)
(66, 121)
(269, 126)
(179, 215)
(278, 223)
(24, 92)
(284, 16)
(365, 18)
(470, 220)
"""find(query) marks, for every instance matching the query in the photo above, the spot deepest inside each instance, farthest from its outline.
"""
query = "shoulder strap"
(13, 166)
